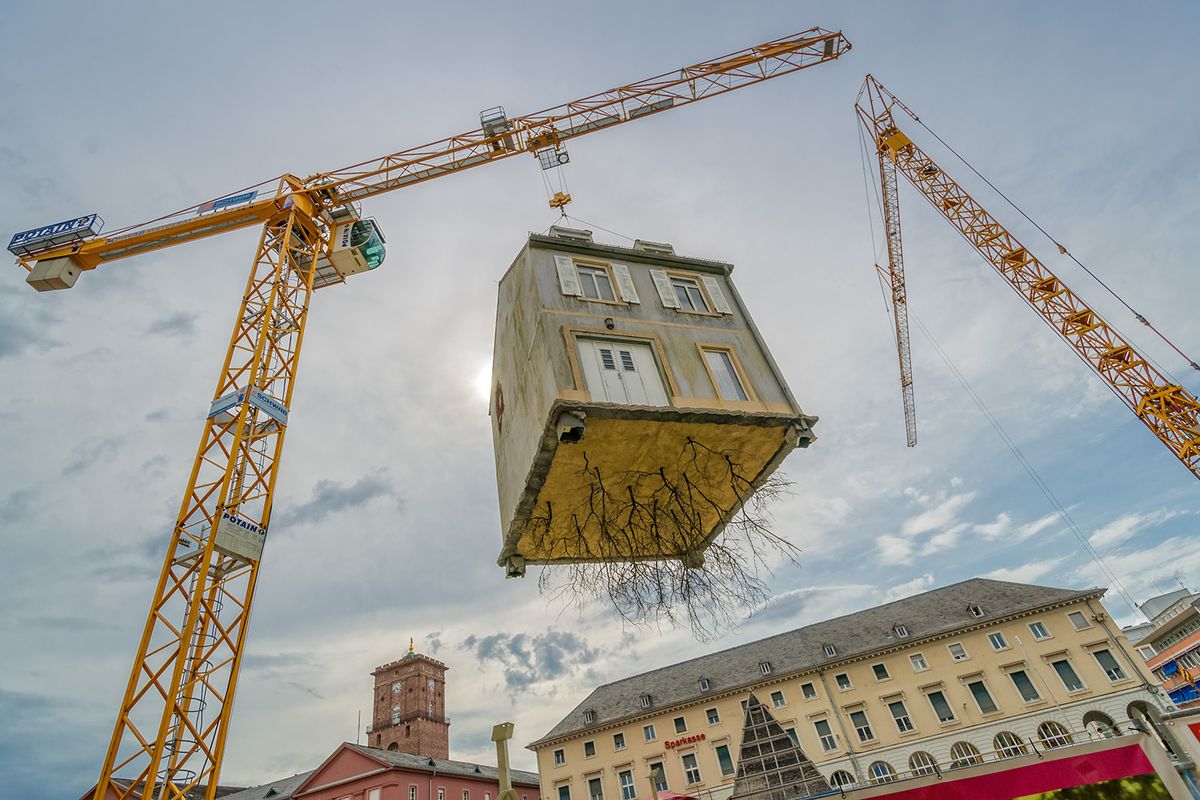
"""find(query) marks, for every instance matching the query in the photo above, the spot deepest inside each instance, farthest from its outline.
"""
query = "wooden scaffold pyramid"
(770, 765)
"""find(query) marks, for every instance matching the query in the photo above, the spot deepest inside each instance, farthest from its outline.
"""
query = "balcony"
(408, 718)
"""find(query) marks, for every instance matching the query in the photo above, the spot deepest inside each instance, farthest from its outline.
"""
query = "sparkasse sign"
(671, 745)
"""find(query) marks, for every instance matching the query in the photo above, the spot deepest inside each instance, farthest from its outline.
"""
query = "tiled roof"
(444, 766)
(801, 650)
(282, 788)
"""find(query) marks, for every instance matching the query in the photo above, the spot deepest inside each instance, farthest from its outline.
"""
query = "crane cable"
(1061, 248)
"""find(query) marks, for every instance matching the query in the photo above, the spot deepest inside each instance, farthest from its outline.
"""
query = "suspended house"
(634, 405)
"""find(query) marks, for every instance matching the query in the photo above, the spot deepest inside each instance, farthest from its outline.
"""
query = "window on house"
(1146, 652)
(595, 789)
(691, 770)
(412, 792)
(564, 792)
(660, 777)
(724, 760)
(880, 670)
(704, 684)
(397, 687)
(901, 631)
(466, 794)
(964, 754)
(713, 716)
(374, 794)
(645, 700)
(882, 772)
(680, 725)
(940, 707)
(918, 662)
(777, 700)
(442, 793)
(1067, 673)
(1078, 620)
(862, 726)
(625, 779)
(840, 778)
(560, 757)
(900, 715)
(983, 698)
(1109, 664)
(830, 651)
(589, 716)
(689, 294)
(809, 691)
(1053, 734)
(1039, 630)
(998, 641)
(957, 652)
(589, 749)
(976, 610)
(793, 737)
(618, 741)
(1008, 745)
(843, 681)
(764, 667)
(1029, 692)
(648, 732)
(395, 715)
(825, 735)
(595, 283)
(725, 375)
(922, 763)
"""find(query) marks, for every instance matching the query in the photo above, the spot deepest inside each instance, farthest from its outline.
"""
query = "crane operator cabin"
(618, 372)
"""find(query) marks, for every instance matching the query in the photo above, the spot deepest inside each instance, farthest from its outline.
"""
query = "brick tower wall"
(409, 707)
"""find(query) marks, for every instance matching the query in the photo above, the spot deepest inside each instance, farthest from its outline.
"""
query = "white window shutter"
(625, 285)
(666, 292)
(568, 278)
(713, 286)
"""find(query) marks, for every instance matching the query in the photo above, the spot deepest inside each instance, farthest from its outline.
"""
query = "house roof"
(276, 790)
(443, 766)
(1160, 603)
(855, 635)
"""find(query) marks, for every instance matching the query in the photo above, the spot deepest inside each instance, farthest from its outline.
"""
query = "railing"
(408, 718)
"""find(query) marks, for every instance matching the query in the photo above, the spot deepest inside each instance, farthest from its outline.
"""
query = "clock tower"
(410, 707)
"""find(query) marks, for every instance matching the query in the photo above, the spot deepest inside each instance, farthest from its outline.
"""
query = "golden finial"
(410, 646)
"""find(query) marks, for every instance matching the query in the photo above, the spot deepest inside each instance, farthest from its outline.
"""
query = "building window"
(777, 700)
(589, 716)
(998, 641)
(374, 793)
(830, 651)
(976, 610)
(983, 698)
(964, 754)
(724, 374)
(589, 749)
(900, 715)
(940, 706)
(1109, 664)
(1067, 673)
(1008, 745)
(648, 732)
(957, 652)
(809, 691)
(595, 283)
(713, 716)
(1053, 734)
(395, 715)
(412, 792)
(922, 763)
(1039, 630)
(862, 726)
(645, 700)
(618, 741)
(691, 770)
(560, 757)
(1078, 620)
(628, 792)
(793, 737)
(918, 662)
(466, 794)
(901, 631)
(689, 294)
(680, 725)
(1146, 652)
(882, 772)
(564, 792)
(1029, 692)
(840, 778)
(764, 667)
(660, 777)
(704, 684)
(724, 760)
(825, 734)
(595, 789)
(442, 793)
(880, 670)
(843, 681)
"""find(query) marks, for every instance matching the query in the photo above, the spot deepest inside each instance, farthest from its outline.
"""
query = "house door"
(621, 372)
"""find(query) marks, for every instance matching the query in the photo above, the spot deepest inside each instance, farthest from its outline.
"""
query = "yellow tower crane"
(1170, 411)
(174, 716)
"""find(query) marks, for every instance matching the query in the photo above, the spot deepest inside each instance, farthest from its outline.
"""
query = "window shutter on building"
(568, 278)
(625, 285)
(666, 292)
(713, 286)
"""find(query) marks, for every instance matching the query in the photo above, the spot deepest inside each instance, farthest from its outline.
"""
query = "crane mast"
(1170, 411)
(897, 293)
(173, 722)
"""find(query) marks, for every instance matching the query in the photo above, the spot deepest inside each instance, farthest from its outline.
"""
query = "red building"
(410, 707)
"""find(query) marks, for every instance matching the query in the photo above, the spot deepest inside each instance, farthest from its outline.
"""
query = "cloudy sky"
(386, 523)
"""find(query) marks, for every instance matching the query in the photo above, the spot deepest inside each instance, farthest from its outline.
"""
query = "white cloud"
(941, 515)
(894, 549)
(917, 585)
(1126, 526)
(994, 530)
(1030, 529)
(1026, 573)
(944, 540)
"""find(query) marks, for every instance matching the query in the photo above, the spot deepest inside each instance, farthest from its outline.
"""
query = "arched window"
(922, 763)
(395, 715)
(964, 754)
(1100, 726)
(1008, 745)
(841, 778)
(882, 772)
(1053, 734)
(393, 747)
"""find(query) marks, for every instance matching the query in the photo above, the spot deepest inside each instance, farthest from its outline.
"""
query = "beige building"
(943, 679)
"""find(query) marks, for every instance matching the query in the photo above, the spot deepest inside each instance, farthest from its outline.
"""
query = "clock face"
(431, 684)
(396, 688)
